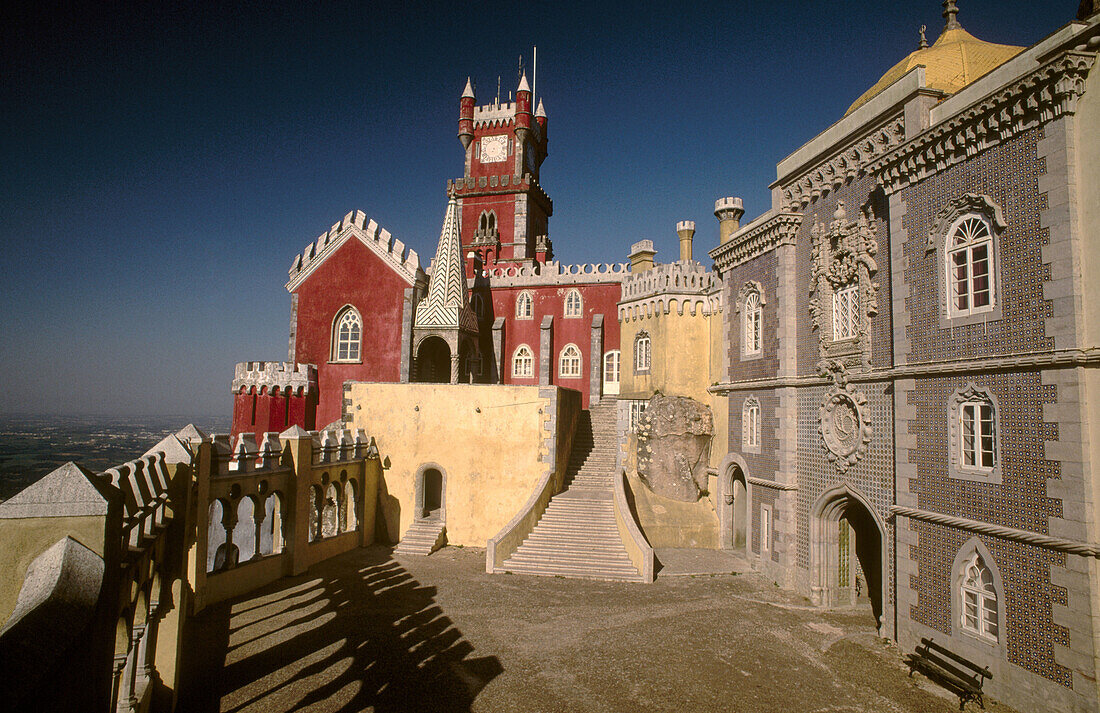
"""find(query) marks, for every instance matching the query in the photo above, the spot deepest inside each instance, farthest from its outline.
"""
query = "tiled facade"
(870, 436)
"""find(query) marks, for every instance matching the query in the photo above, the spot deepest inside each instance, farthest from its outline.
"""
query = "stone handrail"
(501, 546)
(641, 554)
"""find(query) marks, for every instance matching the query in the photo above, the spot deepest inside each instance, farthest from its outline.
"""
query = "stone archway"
(733, 503)
(847, 536)
(433, 361)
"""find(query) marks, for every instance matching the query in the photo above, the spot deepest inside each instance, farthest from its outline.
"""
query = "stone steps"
(423, 537)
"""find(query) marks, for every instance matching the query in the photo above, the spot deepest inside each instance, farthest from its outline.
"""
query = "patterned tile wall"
(762, 270)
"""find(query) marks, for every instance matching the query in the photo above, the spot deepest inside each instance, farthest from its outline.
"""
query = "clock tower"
(504, 211)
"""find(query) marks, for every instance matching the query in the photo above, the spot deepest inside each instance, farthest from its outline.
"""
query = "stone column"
(546, 354)
(595, 379)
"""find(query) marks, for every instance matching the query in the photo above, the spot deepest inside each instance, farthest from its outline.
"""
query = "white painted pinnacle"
(469, 90)
(523, 85)
(540, 111)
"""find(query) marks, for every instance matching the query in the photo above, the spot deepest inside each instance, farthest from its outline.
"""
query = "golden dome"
(954, 61)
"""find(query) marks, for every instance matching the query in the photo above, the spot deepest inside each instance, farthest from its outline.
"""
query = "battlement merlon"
(551, 273)
(299, 379)
(473, 186)
(404, 261)
(676, 278)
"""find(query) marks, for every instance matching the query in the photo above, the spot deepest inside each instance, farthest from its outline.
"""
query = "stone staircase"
(424, 536)
(577, 535)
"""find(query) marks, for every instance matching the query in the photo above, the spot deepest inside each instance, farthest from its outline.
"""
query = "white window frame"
(752, 324)
(523, 363)
(352, 339)
(765, 529)
(968, 236)
(750, 425)
(974, 435)
(525, 305)
(574, 304)
(569, 362)
(643, 355)
(979, 600)
(846, 313)
(637, 410)
(612, 366)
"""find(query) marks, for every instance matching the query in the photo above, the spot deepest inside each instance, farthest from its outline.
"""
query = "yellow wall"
(487, 439)
(680, 348)
(671, 523)
(21, 540)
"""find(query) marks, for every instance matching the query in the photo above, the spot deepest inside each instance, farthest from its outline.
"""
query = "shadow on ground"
(355, 633)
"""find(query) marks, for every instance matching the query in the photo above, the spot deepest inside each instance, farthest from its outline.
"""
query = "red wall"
(271, 412)
(597, 299)
(353, 275)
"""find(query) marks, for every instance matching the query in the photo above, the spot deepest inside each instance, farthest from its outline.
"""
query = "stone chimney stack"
(728, 211)
(686, 230)
(641, 256)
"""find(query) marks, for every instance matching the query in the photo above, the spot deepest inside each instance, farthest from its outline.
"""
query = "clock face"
(494, 149)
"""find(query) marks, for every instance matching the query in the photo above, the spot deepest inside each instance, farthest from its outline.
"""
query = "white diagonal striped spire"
(447, 305)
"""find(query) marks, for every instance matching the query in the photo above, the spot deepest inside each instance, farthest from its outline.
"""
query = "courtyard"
(366, 632)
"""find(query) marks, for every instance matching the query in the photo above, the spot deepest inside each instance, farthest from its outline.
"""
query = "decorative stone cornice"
(842, 166)
(1059, 544)
(772, 484)
(756, 240)
(1041, 96)
(261, 376)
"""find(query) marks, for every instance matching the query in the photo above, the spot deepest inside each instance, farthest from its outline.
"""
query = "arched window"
(970, 288)
(479, 306)
(486, 225)
(346, 336)
(523, 363)
(525, 306)
(611, 367)
(752, 323)
(641, 353)
(750, 425)
(980, 609)
(569, 363)
(573, 304)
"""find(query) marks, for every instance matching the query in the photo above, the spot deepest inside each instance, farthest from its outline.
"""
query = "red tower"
(504, 211)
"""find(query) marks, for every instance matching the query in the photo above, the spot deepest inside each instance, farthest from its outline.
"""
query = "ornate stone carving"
(845, 424)
(747, 288)
(756, 240)
(843, 256)
(1035, 99)
(967, 203)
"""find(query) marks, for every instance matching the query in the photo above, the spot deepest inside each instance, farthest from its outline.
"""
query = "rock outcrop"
(674, 440)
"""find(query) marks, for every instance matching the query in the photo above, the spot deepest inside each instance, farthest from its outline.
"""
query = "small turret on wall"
(728, 211)
(641, 256)
(685, 229)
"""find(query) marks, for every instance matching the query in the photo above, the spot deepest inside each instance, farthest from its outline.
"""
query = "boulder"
(674, 439)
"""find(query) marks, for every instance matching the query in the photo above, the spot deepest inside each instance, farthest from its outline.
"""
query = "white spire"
(523, 85)
(469, 90)
(540, 111)
(447, 305)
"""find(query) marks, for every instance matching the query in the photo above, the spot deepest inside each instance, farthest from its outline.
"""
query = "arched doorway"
(430, 492)
(847, 552)
(734, 503)
(433, 361)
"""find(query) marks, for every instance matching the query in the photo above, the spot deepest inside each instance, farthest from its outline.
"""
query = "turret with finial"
(923, 44)
(950, 14)
(466, 115)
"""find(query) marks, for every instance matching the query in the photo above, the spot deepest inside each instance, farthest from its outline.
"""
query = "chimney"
(641, 256)
(686, 230)
(728, 211)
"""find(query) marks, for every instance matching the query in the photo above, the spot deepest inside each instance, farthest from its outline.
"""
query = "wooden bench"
(954, 672)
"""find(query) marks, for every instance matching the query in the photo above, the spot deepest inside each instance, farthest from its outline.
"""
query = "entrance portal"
(433, 361)
(431, 491)
(846, 552)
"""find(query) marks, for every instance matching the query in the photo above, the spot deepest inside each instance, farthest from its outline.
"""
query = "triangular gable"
(175, 450)
(392, 251)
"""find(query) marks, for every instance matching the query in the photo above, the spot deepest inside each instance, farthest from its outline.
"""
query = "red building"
(354, 291)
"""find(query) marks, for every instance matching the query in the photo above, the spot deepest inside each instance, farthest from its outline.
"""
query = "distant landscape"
(32, 446)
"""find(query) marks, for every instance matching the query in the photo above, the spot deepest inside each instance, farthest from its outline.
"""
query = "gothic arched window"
(969, 251)
(346, 335)
(980, 608)
(573, 304)
(641, 353)
(752, 323)
(750, 425)
(524, 306)
(569, 364)
(523, 363)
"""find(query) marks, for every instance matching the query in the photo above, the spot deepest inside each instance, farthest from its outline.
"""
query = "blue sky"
(164, 162)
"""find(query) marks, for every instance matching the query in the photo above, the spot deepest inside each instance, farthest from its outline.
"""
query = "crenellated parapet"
(266, 376)
(404, 261)
(682, 278)
(502, 183)
(553, 273)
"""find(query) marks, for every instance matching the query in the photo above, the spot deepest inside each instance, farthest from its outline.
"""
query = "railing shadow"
(357, 632)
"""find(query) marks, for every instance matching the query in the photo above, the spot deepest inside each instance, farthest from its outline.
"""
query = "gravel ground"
(363, 632)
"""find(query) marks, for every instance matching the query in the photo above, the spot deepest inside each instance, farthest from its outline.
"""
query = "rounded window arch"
(347, 331)
(574, 305)
(750, 425)
(752, 320)
(523, 362)
(525, 305)
(970, 284)
(487, 223)
(569, 363)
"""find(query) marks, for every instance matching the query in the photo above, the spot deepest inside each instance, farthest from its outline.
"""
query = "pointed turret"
(445, 312)
(466, 115)
(523, 123)
(540, 117)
